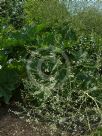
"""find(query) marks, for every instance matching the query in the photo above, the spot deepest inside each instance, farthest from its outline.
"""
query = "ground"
(11, 125)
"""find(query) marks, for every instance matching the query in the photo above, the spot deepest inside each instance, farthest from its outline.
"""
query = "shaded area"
(11, 125)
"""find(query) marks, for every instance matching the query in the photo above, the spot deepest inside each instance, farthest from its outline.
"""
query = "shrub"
(56, 87)
(12, 65)
(54, 13)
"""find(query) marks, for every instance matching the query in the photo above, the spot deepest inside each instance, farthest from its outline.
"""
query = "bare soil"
(11, 125)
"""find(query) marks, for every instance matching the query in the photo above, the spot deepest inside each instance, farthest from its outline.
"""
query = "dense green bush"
(12, 53)
(16, 45)
(47, 11)
(12, 11)
(84, 78)
(88, 20)
(64, 75)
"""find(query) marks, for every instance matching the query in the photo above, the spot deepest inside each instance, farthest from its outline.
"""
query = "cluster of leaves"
(12, 10)
(82, 84)
(16, 45)
(88, 21)
(11, 65)
(42, 11)
(72, 83)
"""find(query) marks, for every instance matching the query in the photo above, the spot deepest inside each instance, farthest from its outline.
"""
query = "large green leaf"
(8, 83)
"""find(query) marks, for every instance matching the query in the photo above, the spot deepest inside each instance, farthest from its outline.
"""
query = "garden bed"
(12, 125)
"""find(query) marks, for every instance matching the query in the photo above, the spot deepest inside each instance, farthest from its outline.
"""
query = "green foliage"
(59, 59)
(12, 65)
(13, 11)
(47, 11)
(9, 80)
(88, 20)
(98, 132)
(46, 90)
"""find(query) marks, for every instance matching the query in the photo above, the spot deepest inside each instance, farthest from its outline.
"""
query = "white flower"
(0, 67)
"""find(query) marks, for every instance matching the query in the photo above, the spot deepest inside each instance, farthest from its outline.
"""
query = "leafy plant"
(9, 81)
(78, 92)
